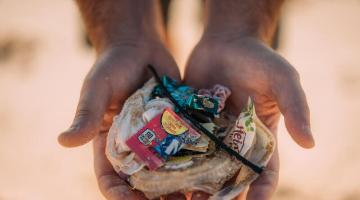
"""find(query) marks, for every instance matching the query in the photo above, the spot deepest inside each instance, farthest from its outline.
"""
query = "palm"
(125, 70)
(249, 68)
(246, 70)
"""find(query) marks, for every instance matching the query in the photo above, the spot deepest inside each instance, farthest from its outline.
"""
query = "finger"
(292, 102)
(111, 184)
(264, 186)
(94, 99)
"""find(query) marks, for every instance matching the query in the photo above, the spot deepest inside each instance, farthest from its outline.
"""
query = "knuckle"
(83, 112)
(85, 119)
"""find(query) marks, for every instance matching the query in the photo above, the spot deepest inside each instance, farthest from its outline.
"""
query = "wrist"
(116, 22)
(126, 37)
(242, 18)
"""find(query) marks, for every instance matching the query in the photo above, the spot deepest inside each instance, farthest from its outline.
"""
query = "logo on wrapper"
(172, 124)
(146, 137)
(161, 137)
(243, 133)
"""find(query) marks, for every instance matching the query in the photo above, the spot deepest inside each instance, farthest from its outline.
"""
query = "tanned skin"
(233, 51)
(127, 37)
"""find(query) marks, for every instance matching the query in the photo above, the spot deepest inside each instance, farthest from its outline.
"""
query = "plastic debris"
(241, 137)
(219, 92)
(160, 138)
(187, 97)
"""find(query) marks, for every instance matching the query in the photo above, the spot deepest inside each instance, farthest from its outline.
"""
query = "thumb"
(94, 100)
(292, 102)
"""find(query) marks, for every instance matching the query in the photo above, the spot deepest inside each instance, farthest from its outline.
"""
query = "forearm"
(110, 22)
(257, 18)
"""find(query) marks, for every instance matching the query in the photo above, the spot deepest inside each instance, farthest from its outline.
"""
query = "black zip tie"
(218, 142)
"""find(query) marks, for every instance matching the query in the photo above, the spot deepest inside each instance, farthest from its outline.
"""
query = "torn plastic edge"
(218, 142)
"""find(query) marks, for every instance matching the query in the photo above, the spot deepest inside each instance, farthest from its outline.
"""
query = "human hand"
(116, 74)
(127, 36)
(250, 68)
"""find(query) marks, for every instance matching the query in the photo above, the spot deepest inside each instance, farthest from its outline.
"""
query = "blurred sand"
(43, 60)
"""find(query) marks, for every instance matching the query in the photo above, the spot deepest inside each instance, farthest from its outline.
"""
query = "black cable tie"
(218, 142)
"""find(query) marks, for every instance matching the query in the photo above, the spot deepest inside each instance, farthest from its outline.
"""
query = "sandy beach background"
(44, 58)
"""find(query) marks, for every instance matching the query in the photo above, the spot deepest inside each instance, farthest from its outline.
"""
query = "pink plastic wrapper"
(220, 92)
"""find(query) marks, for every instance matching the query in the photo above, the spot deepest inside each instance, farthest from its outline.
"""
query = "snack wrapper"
(218, 92)
(203, 103)
(187, 97)
(149, 132)
(160, 138)
(242, 135)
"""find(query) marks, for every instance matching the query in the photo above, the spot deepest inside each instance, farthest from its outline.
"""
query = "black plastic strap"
(218, 142)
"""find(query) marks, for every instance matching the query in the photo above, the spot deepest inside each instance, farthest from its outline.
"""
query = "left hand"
(117, 73)
(250, 68)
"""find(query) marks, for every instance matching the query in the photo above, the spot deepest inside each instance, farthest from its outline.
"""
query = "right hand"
(118, 71)
(250, 68)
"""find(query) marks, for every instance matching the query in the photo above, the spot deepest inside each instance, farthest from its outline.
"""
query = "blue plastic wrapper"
(204, 103)
(169, 146)
(173, 144)
(179, 92)
(187, 97)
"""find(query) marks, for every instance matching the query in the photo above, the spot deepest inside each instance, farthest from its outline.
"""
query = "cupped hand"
(118, 71)
(250, 68)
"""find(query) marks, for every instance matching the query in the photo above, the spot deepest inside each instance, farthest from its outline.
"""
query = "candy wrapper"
(162, 137)
(189, 98)
(170, 144)
(219, 93)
